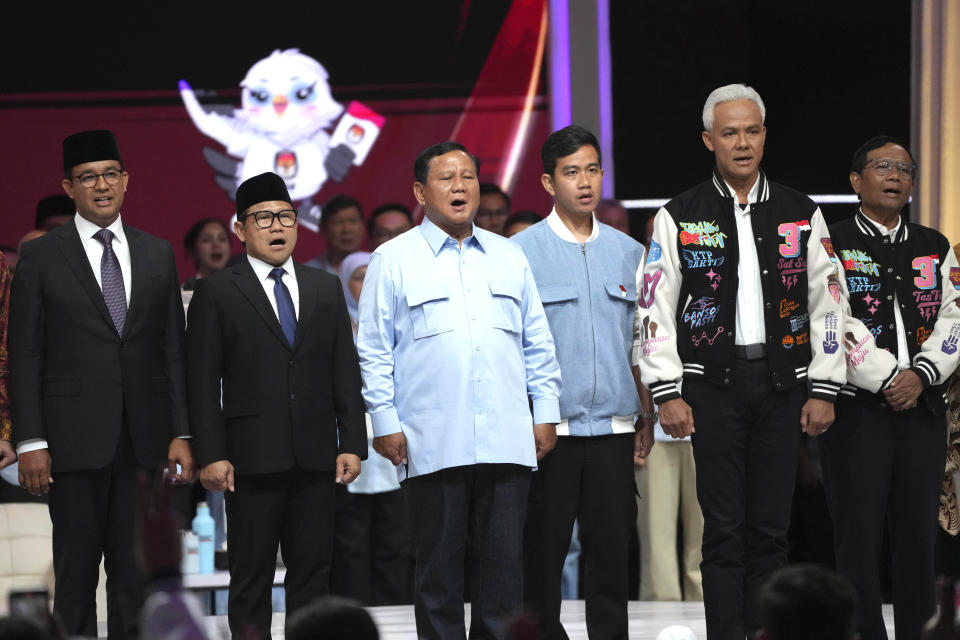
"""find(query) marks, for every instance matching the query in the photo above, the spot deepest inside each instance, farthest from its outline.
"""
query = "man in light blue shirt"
(454, 349)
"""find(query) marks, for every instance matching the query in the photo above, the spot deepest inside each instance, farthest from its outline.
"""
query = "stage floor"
(646, 620)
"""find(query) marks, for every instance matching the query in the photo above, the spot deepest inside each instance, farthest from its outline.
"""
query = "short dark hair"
(338, 203)
(421, 166)
(384, 208)
(807, 602)
(488, 188)
(56, 205)
(190, 239)
(522, 216)
(565, 142)
(859, 160)
(331, 618)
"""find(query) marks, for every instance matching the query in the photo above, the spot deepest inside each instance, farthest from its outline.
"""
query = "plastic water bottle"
(189, 562)
(203, 526)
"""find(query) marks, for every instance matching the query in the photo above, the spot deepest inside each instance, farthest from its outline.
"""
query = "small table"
(210, 582)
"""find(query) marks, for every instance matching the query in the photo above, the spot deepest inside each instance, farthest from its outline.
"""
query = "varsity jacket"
(688, 295)
(917, 270)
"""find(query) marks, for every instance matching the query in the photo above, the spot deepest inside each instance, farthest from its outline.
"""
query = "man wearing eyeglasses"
(97, 382)
(883, 459)
(278, 337)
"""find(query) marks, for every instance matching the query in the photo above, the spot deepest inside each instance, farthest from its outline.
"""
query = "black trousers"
(93, 515)
(372, 551)
(292, 509)
(746, 447)
(884, 468)
(590, 479)
(487, 504)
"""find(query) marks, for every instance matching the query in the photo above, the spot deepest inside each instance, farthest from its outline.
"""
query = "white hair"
(729, 93)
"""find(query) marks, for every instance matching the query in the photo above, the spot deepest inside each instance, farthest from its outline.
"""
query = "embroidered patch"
(857, 260)
(703, 233)
(701, 312)
(949, 345)
(650, 282)
(655, 252)
(701, 259)
(828, 247)
(830, 324)
(955, 277)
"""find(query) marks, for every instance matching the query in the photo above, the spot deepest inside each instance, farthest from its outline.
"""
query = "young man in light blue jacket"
(585, 273)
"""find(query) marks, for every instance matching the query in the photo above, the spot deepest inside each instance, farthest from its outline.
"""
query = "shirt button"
(293, 396)
(767, 305)
(892, 326)
(889, 269)
(765, 272)
(898, 277)
(291, 364)
(889, 297)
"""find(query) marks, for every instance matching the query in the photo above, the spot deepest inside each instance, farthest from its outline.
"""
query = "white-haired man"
(735, 304)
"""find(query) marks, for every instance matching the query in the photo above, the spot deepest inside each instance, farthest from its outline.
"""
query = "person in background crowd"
(372, 553)
(612, 213)
(494, 208)
(454, 346)
(883, 461)
(947, 558)
(274, 393)
(519, 221)
(342, 226)
(53, 211)
(585, 273)
(97, 382)
(207, 243)
(388, 221)
(8, 454)
(807, 602)
(736, 305)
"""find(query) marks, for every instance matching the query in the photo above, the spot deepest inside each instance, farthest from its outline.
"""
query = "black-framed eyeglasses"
(264, 219)
(89, 180)
(884, 166)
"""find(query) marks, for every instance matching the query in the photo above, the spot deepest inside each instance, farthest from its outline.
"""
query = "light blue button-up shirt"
(452, 339)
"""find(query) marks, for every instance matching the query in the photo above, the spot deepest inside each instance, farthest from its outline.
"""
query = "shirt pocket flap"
(557, 293)
(625, 292)
(421, 291)
(506, 288)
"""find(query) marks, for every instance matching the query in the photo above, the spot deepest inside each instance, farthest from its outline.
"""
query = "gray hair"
(729, 93)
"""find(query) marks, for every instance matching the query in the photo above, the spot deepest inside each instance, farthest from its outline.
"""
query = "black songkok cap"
(265, 187)
(90, 146)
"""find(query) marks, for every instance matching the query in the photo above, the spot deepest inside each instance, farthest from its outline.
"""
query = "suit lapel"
(138, 274)
(72, 249)
(251, 288)
(308, 299)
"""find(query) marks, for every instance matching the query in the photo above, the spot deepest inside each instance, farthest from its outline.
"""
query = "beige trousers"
(668, 491)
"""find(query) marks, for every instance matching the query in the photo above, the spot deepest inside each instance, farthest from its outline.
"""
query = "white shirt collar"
(556, 225)
(87, 229)
(751, 195)
(882, 228)
(263, 269)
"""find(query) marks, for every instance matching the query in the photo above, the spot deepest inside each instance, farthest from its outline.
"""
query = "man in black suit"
(97, 382)
(278, 337)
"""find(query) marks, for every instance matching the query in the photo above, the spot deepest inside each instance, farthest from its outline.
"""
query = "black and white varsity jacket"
(916, 269)
(688, 294)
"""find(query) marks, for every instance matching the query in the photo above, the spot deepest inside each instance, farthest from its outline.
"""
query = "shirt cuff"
(31, 444)
(385, 422)
(546, 410)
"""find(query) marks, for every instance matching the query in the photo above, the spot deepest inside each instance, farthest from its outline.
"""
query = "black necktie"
(285, 310)
(111, 280)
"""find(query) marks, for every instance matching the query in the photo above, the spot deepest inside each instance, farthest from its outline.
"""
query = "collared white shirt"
(618, 424)
(94, 249)
(903, 354)
(556, 225)
(751, 327)
(262, 270)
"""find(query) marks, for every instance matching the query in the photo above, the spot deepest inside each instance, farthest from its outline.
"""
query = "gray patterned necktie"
(111, 280)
